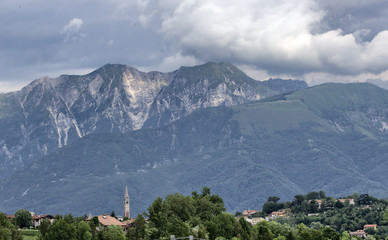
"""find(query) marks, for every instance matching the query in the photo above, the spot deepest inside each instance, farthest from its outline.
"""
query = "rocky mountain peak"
(50, 113)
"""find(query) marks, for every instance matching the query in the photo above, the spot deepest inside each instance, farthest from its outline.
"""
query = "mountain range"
(51, 113)
(209, 125)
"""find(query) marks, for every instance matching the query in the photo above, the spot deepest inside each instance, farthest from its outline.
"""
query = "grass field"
(29, 234)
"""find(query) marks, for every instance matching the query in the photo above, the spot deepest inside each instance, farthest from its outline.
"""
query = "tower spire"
(126, 203)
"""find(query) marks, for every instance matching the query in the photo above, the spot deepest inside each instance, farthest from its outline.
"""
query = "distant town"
(203, 216)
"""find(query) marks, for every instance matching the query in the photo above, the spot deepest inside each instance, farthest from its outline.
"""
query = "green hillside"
(330, 137)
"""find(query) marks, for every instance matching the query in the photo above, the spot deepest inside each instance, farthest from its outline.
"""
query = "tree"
(222, 225)
(61, 229)
(365, 199)
(269, 207)
(322, 195)
(8, 230)
(177, 227)
(112, 233)
(331, 234)
(313, 206)
(139, 229)
(298, 199)
(83, 231)
(93, 225)
(339, 204)
(23, 218)
(158, 217)
(273, 199)
(113, 214)
(5, 233)
(245, 232)
(312, 195)
(207, 205)
(263, 232)
(44, 228)
(303, 232)
(180, 206)
(345, 236)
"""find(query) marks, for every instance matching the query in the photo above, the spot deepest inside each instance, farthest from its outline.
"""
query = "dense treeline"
(340, 216)
(8, 230)
(203, 216)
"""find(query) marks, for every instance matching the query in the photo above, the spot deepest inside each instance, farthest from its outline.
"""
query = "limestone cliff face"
(51, 113)
(208, 85)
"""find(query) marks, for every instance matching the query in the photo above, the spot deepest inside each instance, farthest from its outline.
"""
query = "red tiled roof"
(345, 200)
(370, 225)
(107, 220)
(249, 212)
(278, 213)
(37, 217)
(129, 221)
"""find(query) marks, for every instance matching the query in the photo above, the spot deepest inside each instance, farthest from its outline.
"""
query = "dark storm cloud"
(293, 37)
(352, 16)
(42, 37)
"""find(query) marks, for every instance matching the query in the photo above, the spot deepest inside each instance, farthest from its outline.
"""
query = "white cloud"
(174, 62)
(316, 78)
(274, 35)
(12, 85)
(72, 30)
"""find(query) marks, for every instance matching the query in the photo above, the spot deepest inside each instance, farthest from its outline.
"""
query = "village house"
(106, 220)
(350, 201)
(358, 233)
(275, 215)
(342, 200)
(129, 223)
(256, 220)
(37, 219)
(278, 214)
(247, 213)
(374, 226)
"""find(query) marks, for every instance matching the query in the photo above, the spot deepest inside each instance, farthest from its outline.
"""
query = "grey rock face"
(51, 113)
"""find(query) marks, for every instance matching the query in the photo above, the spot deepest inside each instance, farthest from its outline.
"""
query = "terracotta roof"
(37, 217)
(107, 220)
(278, 213)
(370, 225)
(345, 200)
(129, 221)
(250, 211)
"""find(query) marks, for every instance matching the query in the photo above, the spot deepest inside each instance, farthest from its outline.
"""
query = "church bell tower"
(126, 203)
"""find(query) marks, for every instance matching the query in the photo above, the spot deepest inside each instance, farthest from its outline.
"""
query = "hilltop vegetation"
(203, 215)
(349, 214)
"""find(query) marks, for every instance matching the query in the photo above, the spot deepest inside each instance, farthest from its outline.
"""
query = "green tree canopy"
(23, 218)
(179, 215)
(61, 229)
(112, 233)
(7, 230)
(223, 225)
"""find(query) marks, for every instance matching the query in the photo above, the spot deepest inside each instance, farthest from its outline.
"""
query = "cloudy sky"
(314, 40)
